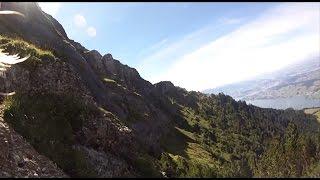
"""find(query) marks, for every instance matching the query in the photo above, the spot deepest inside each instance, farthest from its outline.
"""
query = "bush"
(146, 166)
(49, 123)
(168, 165)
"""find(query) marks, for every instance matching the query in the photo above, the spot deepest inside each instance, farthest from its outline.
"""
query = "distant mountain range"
(300, 79)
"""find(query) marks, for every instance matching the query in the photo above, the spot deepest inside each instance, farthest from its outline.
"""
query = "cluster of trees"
(182, 167)
(258, 142)
(292, 155)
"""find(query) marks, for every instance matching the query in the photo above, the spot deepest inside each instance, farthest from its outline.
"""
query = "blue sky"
(195, 45)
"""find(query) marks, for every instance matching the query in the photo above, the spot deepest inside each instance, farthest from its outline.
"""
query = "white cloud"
(155, 47)
(158, 44)
(251, 49)
(166, 52)
(91, 31)
(51, 8)
(80, 21)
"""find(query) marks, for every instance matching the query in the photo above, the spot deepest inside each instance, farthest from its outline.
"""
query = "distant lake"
(296, 102)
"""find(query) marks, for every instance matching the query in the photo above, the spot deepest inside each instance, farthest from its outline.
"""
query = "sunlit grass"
(15, 50)
(22, 47)
(137, 94)
(313, 111)
(109, 80)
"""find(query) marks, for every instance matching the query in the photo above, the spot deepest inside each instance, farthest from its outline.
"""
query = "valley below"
(295, 102)
(296, 86)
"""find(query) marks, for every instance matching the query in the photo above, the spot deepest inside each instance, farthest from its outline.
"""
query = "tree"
(291, 137)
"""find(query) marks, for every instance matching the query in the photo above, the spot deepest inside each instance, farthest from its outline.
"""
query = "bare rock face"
(50, 77)
(105, 132)
(107, 145)
(130, 98)
(164, 86)
(125, 75)
(94, 58)
(105, 164)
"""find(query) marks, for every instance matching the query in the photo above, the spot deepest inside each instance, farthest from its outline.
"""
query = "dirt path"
(19, 159)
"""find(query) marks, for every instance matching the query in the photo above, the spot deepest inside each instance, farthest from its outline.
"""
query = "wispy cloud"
(153, 48)
(91, 31)
(51, 8)
(158, 44)
(251, 49)
(164, 52)
(80, 21)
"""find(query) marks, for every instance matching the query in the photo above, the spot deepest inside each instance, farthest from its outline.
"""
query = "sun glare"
(51, 8)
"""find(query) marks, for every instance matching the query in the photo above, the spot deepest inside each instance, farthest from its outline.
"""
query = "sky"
(196, 46)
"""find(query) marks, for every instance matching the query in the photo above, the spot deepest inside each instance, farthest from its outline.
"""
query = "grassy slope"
(314, 111)
(185, 146)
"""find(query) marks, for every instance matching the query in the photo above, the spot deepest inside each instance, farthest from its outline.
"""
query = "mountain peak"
(108, 56)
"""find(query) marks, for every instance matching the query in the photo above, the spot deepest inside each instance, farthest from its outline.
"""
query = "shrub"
(49, 123)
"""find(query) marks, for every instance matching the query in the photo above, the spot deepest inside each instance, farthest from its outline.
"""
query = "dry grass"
(313, 111)
(109, 80)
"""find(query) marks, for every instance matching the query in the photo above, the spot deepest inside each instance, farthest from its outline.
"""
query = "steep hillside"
(95, 117)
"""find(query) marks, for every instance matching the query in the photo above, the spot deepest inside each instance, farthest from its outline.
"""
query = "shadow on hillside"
(176, 143)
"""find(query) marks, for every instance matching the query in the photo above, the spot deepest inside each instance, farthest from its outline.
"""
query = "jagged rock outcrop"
(94, 58)
(182, 96)
(164, 86)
